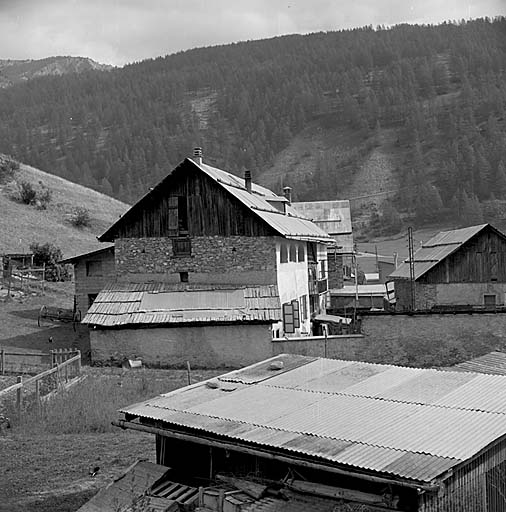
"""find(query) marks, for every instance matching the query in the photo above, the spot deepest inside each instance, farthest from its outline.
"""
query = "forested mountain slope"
(420, 106)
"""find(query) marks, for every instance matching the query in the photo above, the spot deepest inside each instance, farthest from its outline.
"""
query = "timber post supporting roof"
(438, 248)
(288, 224)
(127, 304)
(414, 426)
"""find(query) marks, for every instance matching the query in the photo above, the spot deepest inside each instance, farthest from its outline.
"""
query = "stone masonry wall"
(211, 255)
(431, 339)
(203, 346)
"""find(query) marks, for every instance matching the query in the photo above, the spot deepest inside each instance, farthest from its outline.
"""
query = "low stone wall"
(431, 339)
(333, 347)
(225, 346)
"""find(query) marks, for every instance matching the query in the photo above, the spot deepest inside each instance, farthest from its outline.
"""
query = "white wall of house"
(292, 280)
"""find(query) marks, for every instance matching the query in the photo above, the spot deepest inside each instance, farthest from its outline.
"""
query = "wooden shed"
(462, 267)
(397, 438)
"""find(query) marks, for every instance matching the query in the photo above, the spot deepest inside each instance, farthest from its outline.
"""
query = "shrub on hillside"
(7, 168)
(27, 192)
(80, 217)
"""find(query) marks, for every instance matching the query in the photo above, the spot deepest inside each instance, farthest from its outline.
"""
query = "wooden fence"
(24, 279)
(31, 362)
(62, 373)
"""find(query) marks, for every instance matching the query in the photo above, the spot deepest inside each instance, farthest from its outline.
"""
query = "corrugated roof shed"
(493, 363)
(289, 223)
(436, 250)
(386, 419)
(122, 304)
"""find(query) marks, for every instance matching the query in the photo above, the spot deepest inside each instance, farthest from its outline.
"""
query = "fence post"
(19, 397)
(37, 396)
(43, 276)
(2, 361)
(79, 363)
(66, 373)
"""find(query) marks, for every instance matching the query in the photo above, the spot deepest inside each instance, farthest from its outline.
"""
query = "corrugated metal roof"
(409, 422)
(126, 304)
(436, 250)
(493, 363)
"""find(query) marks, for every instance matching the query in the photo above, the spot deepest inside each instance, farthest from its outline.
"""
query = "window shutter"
(173, 215)
(288, 325)
(296, 314)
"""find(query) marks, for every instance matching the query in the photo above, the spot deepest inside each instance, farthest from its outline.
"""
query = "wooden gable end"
(481, 259)
(189, 202)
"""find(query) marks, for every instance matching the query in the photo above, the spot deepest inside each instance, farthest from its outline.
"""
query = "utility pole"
(411, 269)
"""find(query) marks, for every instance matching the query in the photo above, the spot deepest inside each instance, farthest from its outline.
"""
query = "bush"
(7, 168)
(81, 217)
(44, 196)
(27, 192)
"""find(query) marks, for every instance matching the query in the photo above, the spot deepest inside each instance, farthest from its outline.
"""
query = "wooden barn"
(369, 437)
(458, 268)
(202, 228)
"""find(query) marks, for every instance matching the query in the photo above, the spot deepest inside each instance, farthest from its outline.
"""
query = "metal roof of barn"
(386, 419)
(289, 223)
(437, 249)
(123, 304)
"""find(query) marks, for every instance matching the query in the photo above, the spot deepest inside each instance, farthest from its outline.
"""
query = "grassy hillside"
(21, 224)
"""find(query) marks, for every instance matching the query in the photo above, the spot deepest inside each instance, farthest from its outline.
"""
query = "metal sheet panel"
(177, 301)
(454, 236)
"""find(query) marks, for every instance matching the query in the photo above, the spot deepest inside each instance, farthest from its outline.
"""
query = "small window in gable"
(293, 252)
(284, 253)
(301, 252)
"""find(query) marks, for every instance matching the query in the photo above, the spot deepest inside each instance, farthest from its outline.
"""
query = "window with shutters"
(181, 247)
(288, 323)
(182, 214)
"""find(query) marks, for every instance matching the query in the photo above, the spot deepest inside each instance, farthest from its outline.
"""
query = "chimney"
(247, 180)
(287, 192)
(197, 155)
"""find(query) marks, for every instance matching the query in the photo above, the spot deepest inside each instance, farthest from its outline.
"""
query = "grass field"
(21, 225)
(49, 456)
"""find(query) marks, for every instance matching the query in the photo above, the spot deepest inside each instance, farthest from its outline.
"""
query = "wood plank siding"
(478, 486)
(190, 203)
(481, 259)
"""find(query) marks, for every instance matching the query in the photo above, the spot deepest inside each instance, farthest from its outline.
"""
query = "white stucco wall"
(292, 278)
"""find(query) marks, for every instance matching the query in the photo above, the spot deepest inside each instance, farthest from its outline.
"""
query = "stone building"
(92, 271)
(462, 267)
(199, 231)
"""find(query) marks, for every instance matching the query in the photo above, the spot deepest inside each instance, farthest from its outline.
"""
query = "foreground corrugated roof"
(436, 250)
(123, 304)
(407, 422)
(261, 201)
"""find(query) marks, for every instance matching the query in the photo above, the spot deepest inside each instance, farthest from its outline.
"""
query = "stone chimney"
(197, 155)
(247, 180)
(287, 192)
